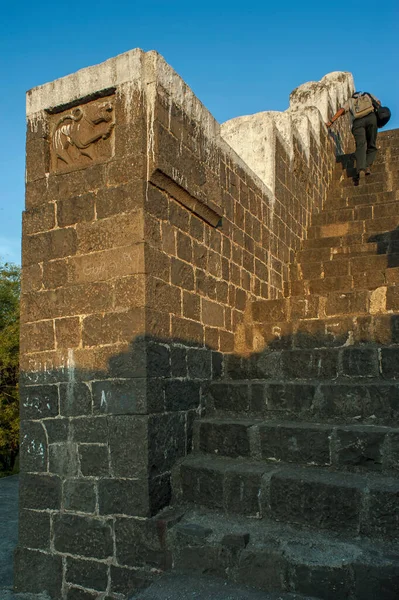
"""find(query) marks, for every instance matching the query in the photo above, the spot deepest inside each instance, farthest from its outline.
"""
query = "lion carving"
(76, 133)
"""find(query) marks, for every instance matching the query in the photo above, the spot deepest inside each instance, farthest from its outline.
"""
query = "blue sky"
(239, 58)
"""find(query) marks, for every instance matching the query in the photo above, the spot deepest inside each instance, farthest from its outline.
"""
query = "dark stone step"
(307, 399)
(189, 586)
(344, 447)
(280, 558)
(366, 504)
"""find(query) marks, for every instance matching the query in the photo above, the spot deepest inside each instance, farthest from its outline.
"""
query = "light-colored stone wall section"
(253, 137)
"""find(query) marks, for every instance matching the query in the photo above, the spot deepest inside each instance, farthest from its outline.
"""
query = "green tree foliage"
(10, 279)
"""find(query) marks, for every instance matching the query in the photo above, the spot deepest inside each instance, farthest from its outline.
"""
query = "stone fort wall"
(148, 231)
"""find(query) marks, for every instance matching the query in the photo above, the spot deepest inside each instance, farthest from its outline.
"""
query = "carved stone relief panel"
(82, 135)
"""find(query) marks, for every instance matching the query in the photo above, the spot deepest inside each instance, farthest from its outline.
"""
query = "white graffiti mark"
(33, 448)
(103, 403)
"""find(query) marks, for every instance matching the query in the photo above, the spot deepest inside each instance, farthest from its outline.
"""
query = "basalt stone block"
(360, 448)
(234, 367)
(83, 536)
(128, 445)
(79, 495)
(57, 430)
(33, 446)
(353, 400)
(217, 365)
(34, 529)
(63, 459)
(382, 517)
(93, 460)
(319, 501)
(199, 363)
(178, 359)
(334, 583)
(119, 396)
(75, 399)
(227, 439)
(90, 430)
(160, 492)
(265, 569)
(166, 441)
(181, 395)
(158, 360)
(37, 572)
(309, 364)
(123, 497)
(87, 573)
(138, 543)
(393, 444)
(40, 492)
(132, 363)
(379, 579)
(290, 397)
(306, 445)
(258, 401)
(267, 365)
(127, 581)
(202, 486)
(229, 397)
(129, 396)
(242, 492)
(390, 363)
(208, 559)
(39, 401)
(360, 362)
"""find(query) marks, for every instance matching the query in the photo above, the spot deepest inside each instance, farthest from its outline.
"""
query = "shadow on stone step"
(348, 164)
(195, 587)
(388, 243)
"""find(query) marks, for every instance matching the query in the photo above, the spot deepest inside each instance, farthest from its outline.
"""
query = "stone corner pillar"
(90, 472)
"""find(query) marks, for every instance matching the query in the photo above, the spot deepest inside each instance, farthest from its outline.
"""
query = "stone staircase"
(293, 483)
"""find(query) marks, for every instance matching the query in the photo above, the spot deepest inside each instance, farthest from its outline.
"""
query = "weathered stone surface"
(123, 497)
(182, 395)
(128, 445)
(75, 399)
(242, 492)
(229, 439)
(79, 495)
(34, 529)
(362, 449)
(83, 536)
(229, 397)
(40, 492)
(319, 501)
(90, 430)
(63, 459)
(383, 510)
(290, 443)
(37, 572)
(87, 573)
(33, 446)
(93, 460)
(137, 543)
(39, 401)
(203, 486)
